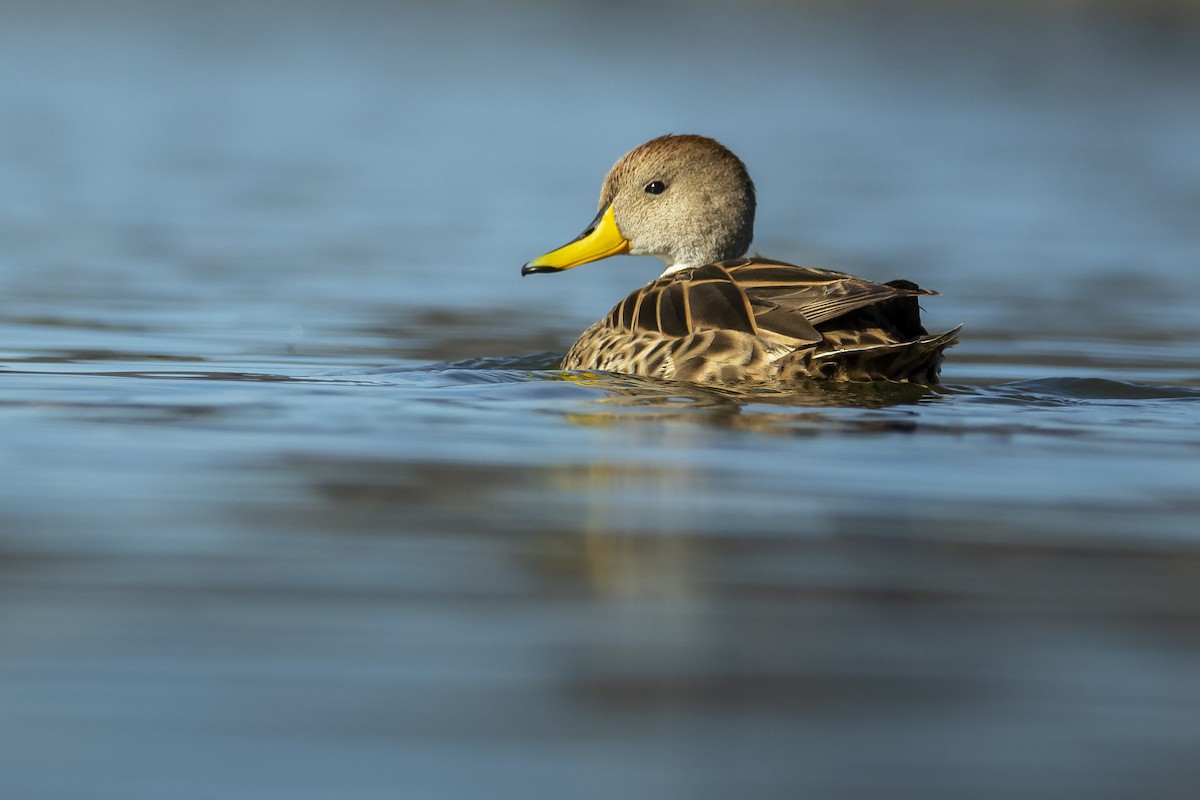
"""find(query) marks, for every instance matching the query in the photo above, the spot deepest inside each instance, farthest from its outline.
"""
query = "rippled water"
(295, 503)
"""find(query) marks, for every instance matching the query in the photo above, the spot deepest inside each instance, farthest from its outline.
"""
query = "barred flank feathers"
(760, 320)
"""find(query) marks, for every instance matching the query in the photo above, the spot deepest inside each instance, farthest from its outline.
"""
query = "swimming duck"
(716, 315)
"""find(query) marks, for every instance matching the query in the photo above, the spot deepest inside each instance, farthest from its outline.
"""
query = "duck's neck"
(700, 256)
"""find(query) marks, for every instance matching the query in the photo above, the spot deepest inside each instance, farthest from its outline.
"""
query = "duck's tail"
(918, 360)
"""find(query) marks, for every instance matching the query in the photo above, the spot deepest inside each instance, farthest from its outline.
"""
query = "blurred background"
(293, 502)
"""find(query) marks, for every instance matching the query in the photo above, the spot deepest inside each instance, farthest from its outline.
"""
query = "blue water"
(294, 501)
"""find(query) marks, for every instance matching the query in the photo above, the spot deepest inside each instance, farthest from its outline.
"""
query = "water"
(294, 502)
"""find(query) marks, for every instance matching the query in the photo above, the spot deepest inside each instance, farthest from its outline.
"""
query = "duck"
(716, 315)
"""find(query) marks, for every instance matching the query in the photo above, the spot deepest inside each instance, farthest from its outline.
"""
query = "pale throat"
(680, 267)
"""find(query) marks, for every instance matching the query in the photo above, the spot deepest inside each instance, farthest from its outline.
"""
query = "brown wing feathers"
(819, 295)
(748, 296)
(734, 313)
(708, 301)
(718, 303)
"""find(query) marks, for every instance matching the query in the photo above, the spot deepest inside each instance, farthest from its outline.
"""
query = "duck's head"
(685, 199)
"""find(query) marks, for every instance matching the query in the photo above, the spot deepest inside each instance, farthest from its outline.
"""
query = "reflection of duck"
(799, 408)
(716, 316)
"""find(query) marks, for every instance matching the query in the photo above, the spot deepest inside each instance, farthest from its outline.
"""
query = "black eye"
(655, 187)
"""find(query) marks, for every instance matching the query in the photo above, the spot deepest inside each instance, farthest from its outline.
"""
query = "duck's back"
(761, 320)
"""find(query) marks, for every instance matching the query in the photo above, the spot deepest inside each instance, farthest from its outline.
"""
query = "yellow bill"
(601, 239)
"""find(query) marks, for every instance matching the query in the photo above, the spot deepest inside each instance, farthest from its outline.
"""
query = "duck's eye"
(655, 187)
